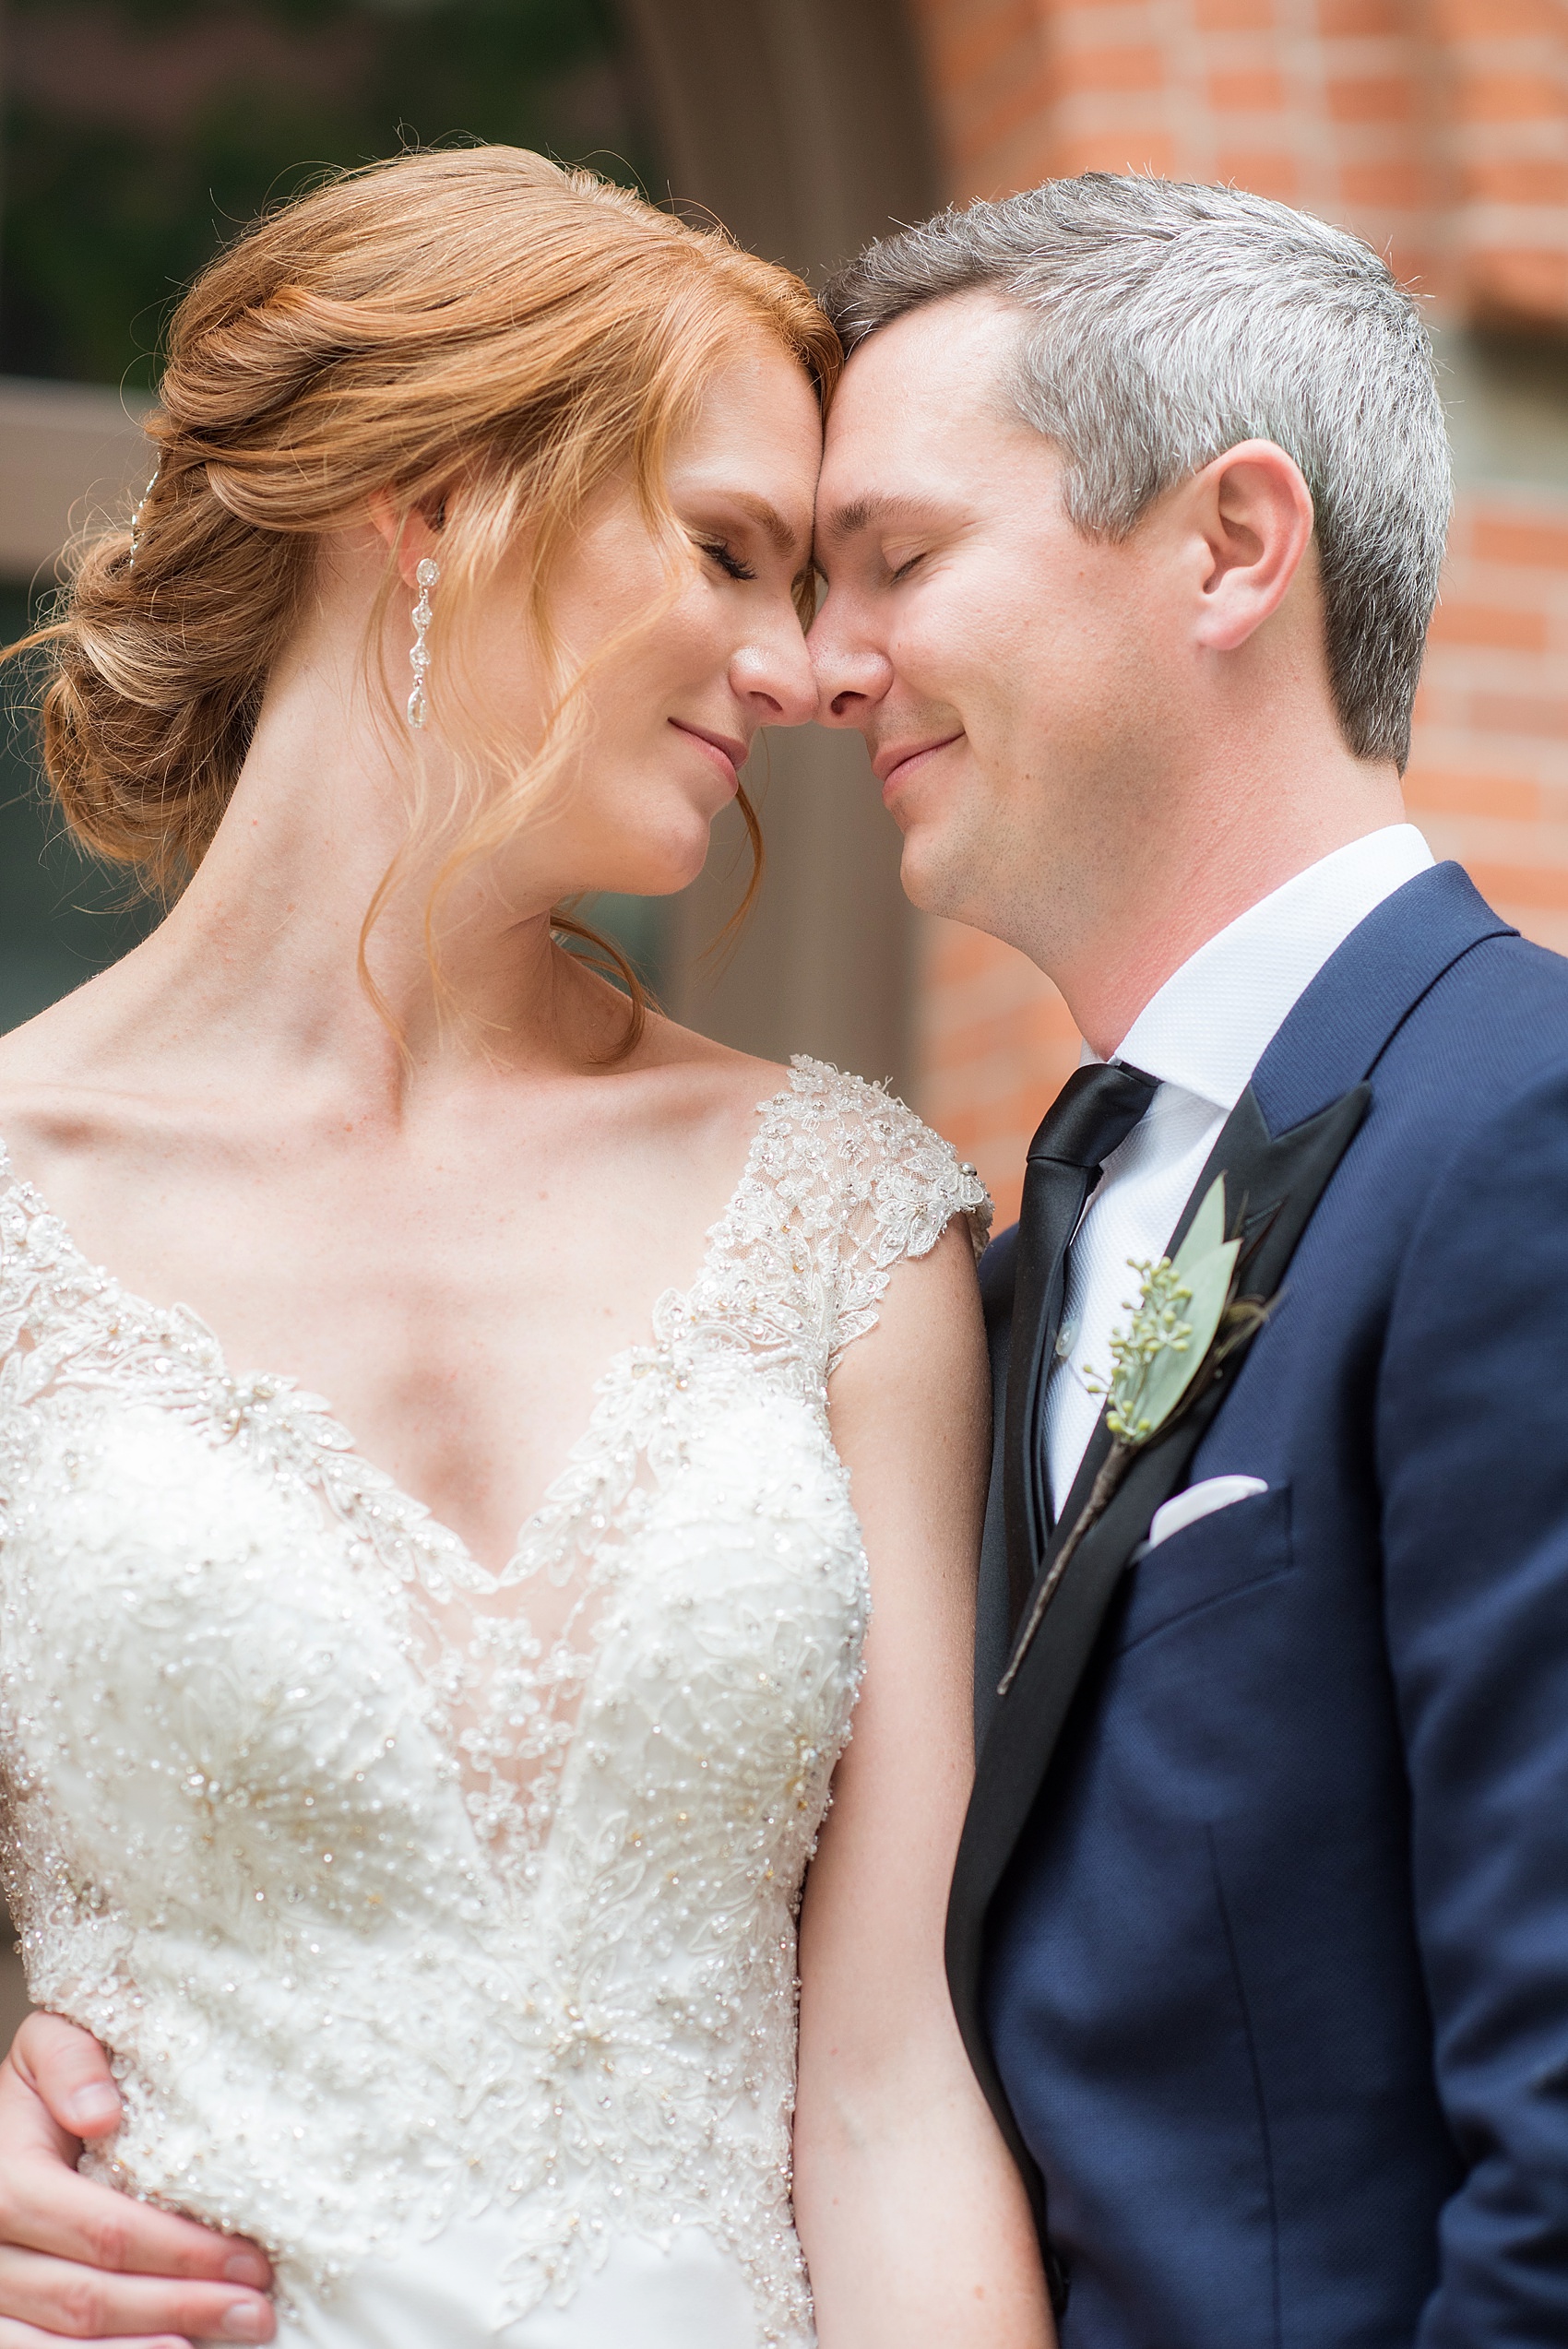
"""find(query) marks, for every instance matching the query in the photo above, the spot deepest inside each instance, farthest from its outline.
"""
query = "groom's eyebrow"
(872, 513)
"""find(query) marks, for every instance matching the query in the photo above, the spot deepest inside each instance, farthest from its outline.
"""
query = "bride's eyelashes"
(729, 561)
(897, 571)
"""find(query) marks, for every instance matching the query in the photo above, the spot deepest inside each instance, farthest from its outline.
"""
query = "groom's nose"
(852, 674)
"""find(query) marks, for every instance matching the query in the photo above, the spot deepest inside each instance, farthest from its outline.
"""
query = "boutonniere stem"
(1187, 1319)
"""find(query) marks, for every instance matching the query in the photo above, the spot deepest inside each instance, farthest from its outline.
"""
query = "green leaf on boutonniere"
(1207, 1231)
(1181, 1305)
(1184, 1320)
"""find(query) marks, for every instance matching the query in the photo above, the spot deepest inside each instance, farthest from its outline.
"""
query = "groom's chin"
(937, 876)
(920, 877)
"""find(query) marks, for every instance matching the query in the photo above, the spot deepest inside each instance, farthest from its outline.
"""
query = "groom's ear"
(1251, 517)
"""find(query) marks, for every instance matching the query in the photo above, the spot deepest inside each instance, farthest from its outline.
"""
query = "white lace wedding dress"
(442, 1924)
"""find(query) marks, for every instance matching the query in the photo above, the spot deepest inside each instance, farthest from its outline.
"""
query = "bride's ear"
(1253, 513)
(408, 533)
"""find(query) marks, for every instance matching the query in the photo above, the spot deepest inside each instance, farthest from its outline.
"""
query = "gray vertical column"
(800, 123)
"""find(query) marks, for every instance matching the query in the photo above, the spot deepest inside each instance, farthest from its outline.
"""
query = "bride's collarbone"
(465, 1373)
(455, 1328)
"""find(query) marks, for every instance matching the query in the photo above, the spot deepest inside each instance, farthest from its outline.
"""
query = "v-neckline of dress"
(329, 1437)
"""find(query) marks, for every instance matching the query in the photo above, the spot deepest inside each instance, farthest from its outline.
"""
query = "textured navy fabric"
(1278, 1985)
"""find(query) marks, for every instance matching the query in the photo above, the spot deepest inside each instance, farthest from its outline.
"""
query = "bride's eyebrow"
(784, 535)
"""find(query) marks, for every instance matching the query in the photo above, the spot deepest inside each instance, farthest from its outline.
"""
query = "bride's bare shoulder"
(68, 1079)
(41, 1073)
(700, 1074)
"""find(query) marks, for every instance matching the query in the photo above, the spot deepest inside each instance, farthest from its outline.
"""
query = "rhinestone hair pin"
(139, 509)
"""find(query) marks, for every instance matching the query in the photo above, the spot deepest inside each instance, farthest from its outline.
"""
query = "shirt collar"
(1210, 1024)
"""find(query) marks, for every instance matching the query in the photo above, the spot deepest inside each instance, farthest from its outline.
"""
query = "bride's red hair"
(472, 326)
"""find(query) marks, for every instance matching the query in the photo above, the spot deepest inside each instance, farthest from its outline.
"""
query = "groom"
(1132, 515)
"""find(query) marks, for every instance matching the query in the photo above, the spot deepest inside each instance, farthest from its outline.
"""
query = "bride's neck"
(263, 948)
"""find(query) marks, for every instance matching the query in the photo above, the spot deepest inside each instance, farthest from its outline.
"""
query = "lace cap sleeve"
(888, 1188)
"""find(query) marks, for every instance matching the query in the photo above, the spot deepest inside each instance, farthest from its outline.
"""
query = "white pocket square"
(1198, 1501)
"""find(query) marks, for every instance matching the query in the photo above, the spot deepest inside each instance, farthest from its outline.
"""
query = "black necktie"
(1094, 1112)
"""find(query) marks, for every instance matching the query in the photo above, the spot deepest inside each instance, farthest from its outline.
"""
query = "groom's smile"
(1004, 670)
(895, 763)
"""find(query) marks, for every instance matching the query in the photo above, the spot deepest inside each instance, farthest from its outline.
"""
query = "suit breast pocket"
(1222, 1554)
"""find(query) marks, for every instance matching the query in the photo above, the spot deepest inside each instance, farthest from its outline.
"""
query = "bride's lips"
(894, 766)
(728, 755)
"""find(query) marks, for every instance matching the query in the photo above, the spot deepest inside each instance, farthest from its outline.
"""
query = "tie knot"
(1093, 1114)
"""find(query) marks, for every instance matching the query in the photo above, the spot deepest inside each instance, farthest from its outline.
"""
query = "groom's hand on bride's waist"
(79, 2261)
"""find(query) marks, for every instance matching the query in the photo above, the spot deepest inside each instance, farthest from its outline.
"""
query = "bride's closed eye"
(729, 561)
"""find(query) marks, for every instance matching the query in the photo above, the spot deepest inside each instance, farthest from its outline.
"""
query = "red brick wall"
(1439, 132)
(1438, 127)
(1489, 776)
(1503, 132)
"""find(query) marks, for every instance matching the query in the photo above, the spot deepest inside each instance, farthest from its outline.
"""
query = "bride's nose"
(773, 678)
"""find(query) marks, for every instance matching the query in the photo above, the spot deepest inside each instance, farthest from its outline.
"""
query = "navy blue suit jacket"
(1259, 1935)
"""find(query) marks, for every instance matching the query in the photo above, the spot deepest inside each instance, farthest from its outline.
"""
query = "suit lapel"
(1278, 1151)
(1272, 1186)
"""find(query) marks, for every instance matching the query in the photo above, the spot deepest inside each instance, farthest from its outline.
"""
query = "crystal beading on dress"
(402, 1892)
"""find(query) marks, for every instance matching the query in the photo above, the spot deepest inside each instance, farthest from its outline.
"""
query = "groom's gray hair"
(1166, 323)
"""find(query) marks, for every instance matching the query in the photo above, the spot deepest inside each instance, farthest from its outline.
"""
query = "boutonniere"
(1187, 1319)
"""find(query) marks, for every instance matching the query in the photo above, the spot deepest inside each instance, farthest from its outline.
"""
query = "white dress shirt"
(1202, 1036)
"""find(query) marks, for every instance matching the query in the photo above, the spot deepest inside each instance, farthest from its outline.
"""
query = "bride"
(434, 1885)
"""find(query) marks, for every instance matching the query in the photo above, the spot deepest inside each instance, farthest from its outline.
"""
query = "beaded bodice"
(400, 1890)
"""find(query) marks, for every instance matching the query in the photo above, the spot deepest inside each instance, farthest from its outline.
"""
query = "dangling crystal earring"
(428, 573)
